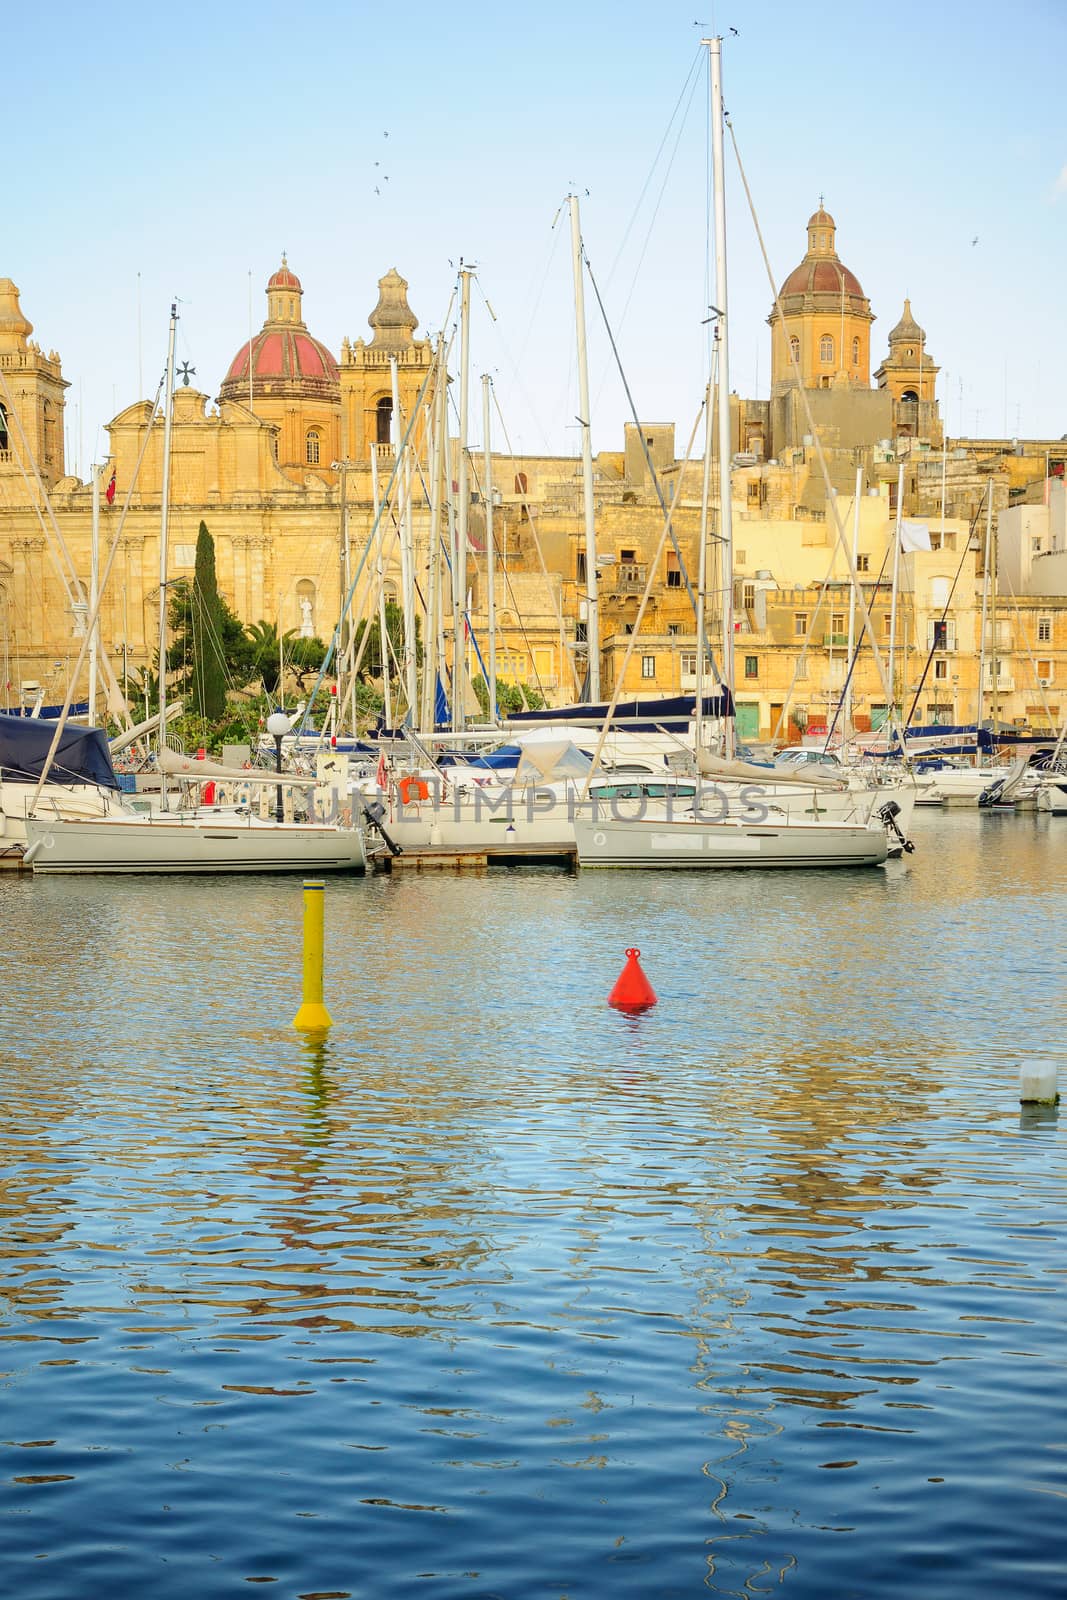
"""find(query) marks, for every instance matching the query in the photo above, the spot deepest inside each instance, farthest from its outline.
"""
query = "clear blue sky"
(192, 144)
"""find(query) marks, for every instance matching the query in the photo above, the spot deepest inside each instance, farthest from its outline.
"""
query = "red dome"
(821, 276)
(285, 361)
(284, 278)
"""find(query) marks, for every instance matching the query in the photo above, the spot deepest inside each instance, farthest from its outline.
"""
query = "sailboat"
(693, 836)
(206, 839)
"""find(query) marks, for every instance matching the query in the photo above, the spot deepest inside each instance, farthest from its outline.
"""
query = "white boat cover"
(710, 766)
(177, 766)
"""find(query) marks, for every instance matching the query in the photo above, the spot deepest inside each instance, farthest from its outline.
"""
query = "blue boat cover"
(636, 715)
(82, 756)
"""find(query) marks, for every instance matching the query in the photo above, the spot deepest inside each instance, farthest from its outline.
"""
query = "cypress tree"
(208, 663)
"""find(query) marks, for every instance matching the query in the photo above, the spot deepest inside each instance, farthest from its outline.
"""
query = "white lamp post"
(278, 725)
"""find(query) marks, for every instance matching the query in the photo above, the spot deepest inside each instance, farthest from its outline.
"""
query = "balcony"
(625, 578)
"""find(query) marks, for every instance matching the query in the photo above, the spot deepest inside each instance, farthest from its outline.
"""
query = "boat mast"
(433, 586)
(726, 533)
(168, 422)
(490, 552)
(94, 592)
(379, 576)
(846, 713)
(891, 710)
(985, 605)
(459, 573)
(702, 558)
(404, 528)
(592, 620)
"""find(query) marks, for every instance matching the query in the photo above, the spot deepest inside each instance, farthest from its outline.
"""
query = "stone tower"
(31, 398)
(910, 376)
(366, 378)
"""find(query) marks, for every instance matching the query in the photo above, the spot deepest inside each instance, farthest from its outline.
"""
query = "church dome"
(815, 276)
(286, 360)
(822, 272)
(281, 355)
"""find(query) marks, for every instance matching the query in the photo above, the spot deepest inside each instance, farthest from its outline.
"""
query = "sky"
(154, 154)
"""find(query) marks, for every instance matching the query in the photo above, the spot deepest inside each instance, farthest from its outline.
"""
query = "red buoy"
(632, 992)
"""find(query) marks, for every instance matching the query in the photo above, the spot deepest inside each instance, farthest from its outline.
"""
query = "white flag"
(914, 535)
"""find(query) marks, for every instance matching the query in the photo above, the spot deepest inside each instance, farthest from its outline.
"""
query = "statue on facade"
(307, 620)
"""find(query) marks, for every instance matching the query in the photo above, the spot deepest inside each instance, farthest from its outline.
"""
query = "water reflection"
(494, 1290)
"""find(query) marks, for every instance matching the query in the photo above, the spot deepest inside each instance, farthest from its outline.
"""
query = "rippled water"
(500, 1293)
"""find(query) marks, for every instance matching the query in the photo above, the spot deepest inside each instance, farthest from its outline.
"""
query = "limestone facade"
(294, 457)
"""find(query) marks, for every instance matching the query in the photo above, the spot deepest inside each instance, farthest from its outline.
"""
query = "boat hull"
(692, 845)
(190, 845)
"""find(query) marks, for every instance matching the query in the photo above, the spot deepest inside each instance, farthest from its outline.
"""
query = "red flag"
(109, 493)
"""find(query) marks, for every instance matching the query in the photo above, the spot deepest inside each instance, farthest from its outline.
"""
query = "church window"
(855, 352)
(383, 412)
(292, 308)
(311, 453)
(794, 349)
(822, 241)
(4, 445)
(826, 347)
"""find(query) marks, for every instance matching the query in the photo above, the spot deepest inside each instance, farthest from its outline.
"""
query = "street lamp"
(278, 725)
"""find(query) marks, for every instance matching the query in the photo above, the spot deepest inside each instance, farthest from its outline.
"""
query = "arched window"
(389, 592)
(4, 442)
(311, 452)
(794, 349)
(826, 347)
(521, 485)
(855, 352)
(383, 412)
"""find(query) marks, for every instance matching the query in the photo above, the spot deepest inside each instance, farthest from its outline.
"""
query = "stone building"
(289, 466)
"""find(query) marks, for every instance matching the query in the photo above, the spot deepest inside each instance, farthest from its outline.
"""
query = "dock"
(434, 858)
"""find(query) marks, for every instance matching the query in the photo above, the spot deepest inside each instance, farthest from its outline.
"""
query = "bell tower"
(32, 398)
(366, 376)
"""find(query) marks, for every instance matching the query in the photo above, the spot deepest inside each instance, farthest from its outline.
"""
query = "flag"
(914, 535)
(382, 778)
(109, 493)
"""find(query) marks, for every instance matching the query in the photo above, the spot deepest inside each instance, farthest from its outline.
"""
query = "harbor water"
(500, 1293)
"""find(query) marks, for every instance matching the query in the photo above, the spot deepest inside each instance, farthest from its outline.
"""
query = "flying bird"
(974, 241)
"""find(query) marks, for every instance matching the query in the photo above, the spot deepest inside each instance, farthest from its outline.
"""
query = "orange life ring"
(411, 788)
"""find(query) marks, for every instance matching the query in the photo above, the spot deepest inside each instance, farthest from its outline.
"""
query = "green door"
(747, 720)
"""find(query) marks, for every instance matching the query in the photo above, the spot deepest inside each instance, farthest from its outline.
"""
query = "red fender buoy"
(632, 992)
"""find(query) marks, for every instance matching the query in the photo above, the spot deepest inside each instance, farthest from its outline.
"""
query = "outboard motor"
(991, 796)
(889, 814)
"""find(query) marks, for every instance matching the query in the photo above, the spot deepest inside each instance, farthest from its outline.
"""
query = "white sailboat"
(700, 838)
(198, 841)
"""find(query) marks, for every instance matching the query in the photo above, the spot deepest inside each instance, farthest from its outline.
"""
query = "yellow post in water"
(313, 1016)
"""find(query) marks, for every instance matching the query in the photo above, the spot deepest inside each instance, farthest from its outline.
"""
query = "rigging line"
(648, 235)
(94, 613)
(1030, 654)
(806, 403)
(668, 515)
(948, 602)
(692, 73)
(569, 650)
(856, 650)
(516, 362)
(655, 476)
(527, 641)
(331, 648)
